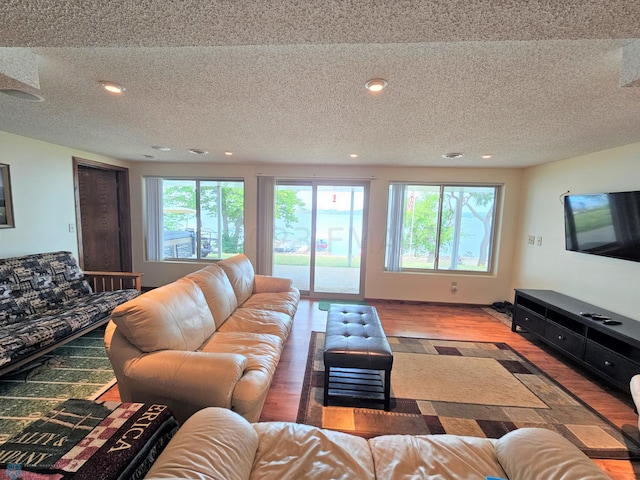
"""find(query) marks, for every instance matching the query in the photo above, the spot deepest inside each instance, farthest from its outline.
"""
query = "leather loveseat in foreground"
(212, 338)
(217, 443)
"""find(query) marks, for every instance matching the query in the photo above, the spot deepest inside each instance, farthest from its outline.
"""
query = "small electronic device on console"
(610, 321)
(595, 316)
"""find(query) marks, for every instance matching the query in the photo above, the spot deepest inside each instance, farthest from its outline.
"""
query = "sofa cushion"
(104, 301)
(68, 276)
(262, 352)
(270, 284)
(435, 456)
(13, 309)
(258, 321)
(172, 317)
(218, 292)
(285, 302)
(192, 453)
(547, 454)
(33, 284)
(293, 451)
(30, 334)
(240, 272)
(36, 286)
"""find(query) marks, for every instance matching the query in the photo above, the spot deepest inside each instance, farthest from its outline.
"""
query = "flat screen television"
(606, 224)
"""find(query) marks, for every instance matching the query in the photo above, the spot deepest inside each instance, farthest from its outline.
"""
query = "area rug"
(480, 389)
(324, 304)
(79, 369)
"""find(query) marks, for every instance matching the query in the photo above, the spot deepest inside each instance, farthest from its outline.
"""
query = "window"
(440, 227)
(194, 219)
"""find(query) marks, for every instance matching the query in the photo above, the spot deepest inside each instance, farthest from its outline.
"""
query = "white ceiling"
(283, 81)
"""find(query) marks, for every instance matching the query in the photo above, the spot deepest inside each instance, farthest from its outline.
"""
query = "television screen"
(605, 224)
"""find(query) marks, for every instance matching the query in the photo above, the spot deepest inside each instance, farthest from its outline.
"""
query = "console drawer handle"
(560, 337)
(526, 319)
(607, 363)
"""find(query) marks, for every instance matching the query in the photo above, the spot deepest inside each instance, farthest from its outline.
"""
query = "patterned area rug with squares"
(479, 389)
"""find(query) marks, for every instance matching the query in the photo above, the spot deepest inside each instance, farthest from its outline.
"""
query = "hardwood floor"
(445, 322)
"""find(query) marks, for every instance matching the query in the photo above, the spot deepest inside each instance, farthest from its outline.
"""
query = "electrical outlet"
(454, 287)
(72, 228)
(539, 241)
(531, 240)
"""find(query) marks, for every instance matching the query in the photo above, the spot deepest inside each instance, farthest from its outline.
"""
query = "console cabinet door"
(530, 320)
(617, 368)
(565, 339)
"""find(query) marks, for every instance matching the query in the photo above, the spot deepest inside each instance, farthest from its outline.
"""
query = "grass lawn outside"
(408, 262)
(322, 260)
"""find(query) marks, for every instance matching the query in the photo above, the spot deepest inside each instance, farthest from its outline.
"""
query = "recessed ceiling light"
(486, 156)
(162, 149)
(197, 151)
(375, 84)
(112, 87)
(452, 155)
(228, 153)
(354, 155)
(29, 97)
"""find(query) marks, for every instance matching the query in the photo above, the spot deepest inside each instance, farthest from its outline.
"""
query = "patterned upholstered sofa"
(46, 300)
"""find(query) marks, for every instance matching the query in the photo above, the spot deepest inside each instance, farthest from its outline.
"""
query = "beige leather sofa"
(212, 338)
(218, 444)
(634, 386)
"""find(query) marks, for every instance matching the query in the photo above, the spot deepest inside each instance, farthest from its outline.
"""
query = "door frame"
(314, 183)
(124, 209)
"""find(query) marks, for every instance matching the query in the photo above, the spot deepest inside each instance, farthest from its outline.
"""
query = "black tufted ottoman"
(356, 350)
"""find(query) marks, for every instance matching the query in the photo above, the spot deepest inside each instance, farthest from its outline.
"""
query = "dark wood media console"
(611, 351)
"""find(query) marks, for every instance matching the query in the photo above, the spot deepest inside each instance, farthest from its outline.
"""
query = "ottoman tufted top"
(355, 338)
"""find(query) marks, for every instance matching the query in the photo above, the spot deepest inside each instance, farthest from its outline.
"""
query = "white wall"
(435, 287)
(43, 199)
(608, 283)
(42, 181)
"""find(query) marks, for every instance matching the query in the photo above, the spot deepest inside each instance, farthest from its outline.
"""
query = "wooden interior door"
(103, 218)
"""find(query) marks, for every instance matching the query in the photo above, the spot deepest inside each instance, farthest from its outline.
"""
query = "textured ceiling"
(283, 82)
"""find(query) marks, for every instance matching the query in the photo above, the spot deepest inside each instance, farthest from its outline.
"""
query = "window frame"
(150, 238)
(441, 186)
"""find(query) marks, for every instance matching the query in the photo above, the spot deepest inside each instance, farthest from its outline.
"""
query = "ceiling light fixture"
(453, 155)
(354, 155)
(162, 149)
(22, 95)
(487, 156)
(112, 87)
(197, 151)
(228, 153)
(375, 84)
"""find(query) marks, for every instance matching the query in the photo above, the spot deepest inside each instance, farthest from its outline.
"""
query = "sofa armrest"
(267, 284)
(111, 281)
(213, 443)
(197, 378)
(540, 453)
(634, 386)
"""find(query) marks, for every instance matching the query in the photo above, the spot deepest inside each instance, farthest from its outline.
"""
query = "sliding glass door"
(292, 233)
(319, 236)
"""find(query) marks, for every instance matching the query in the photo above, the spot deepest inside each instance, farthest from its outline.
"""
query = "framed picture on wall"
(6, 207)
